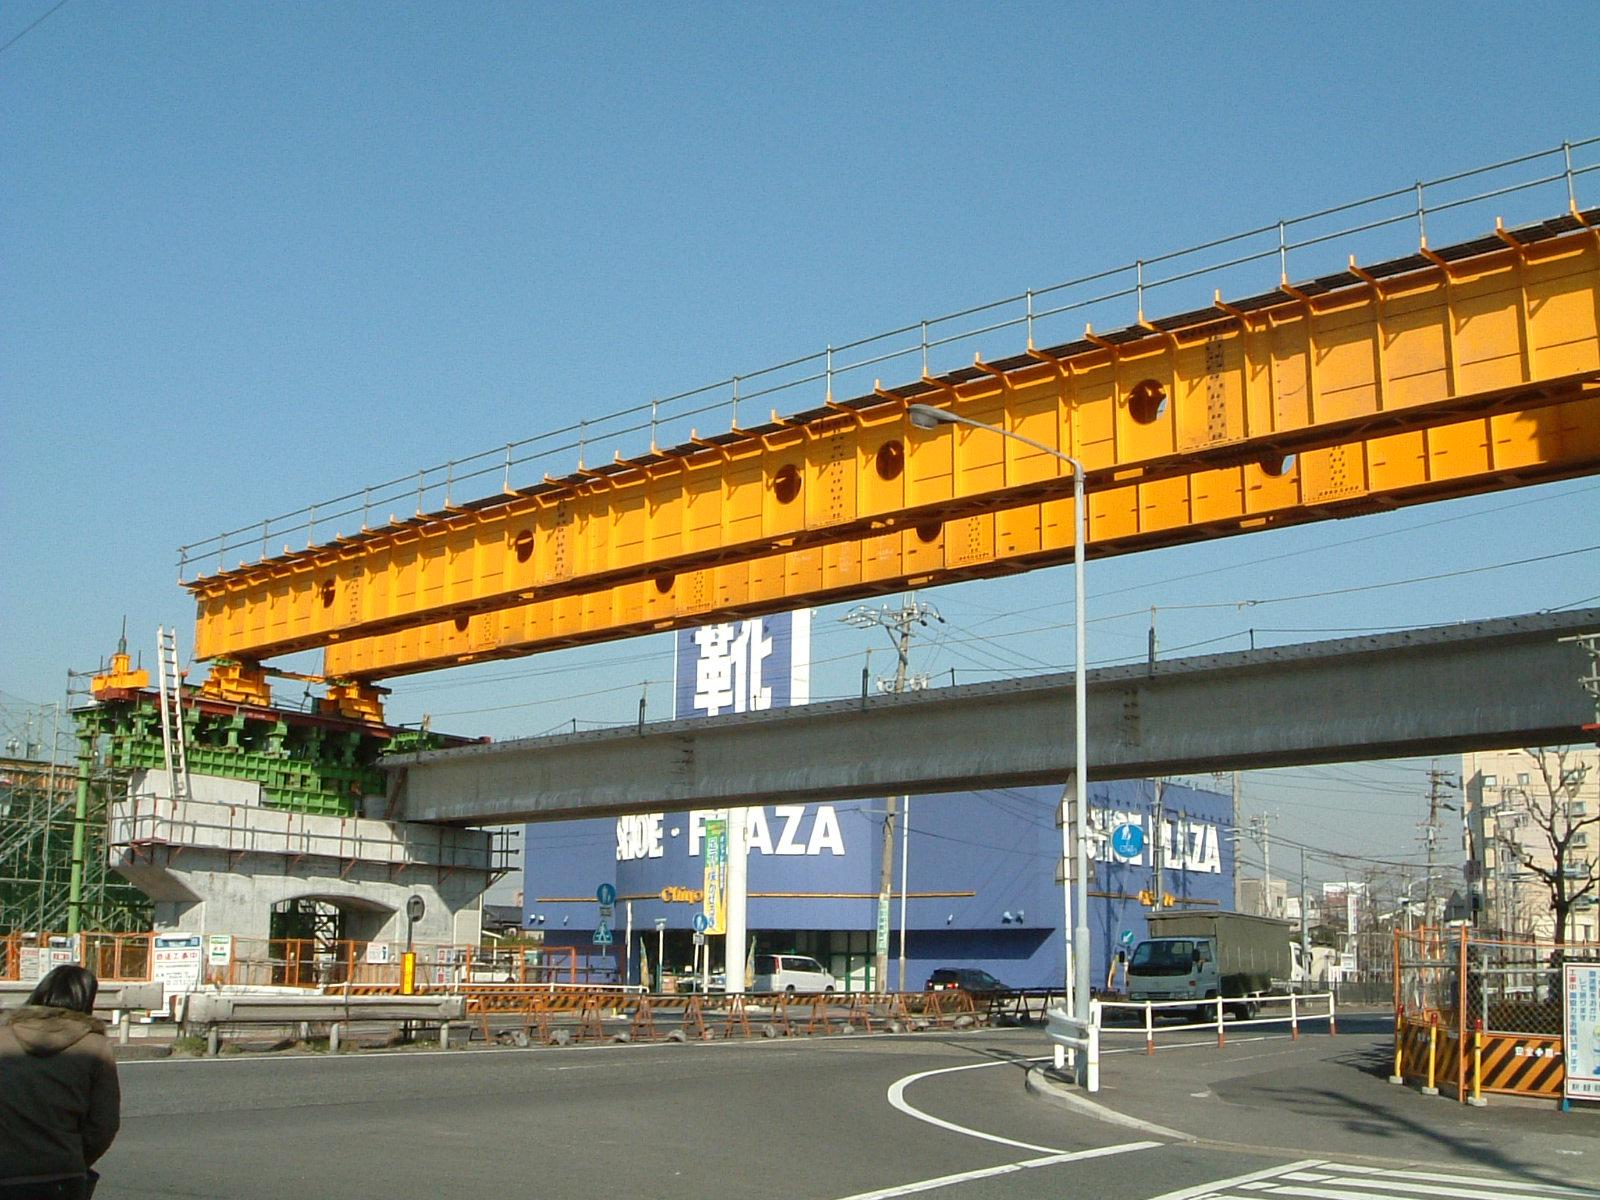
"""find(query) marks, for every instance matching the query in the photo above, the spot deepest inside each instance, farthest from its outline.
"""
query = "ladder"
(172, 738)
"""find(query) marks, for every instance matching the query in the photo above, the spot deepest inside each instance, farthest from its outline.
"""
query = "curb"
(1040, 1084)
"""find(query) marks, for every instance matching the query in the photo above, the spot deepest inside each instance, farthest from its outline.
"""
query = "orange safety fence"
(113, 957)
(360, 966)
(585, 1011)
(1479, 1014)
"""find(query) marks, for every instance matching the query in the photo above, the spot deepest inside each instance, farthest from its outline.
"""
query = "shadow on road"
(1392, 1119)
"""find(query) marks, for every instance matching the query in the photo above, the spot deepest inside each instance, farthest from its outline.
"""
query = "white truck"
(1202, 955)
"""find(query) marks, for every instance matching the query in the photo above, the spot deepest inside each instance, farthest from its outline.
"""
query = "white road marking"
(1215, 1187)
(1027, 1164)
(1512, 1185)
(897, 1092)
(1348, 1181)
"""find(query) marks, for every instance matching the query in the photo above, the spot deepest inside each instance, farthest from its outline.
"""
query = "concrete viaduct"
(1481, 685)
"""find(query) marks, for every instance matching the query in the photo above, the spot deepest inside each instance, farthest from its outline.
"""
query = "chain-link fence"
(1512, 988)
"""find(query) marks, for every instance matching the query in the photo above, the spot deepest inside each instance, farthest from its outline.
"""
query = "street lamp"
(925, 416)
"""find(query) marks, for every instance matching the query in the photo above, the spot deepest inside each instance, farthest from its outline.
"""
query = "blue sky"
(255, 256)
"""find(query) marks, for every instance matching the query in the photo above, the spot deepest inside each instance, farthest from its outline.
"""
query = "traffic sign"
(701, 922)
(602, 934)
(699, 938)
(606, 894)
(1125, 938)
(1127, 840)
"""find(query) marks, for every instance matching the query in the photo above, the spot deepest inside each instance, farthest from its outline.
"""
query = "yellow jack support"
(237, 682)
(121, 675)
(356, 700)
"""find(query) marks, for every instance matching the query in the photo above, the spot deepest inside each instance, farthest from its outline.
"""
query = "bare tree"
(1548, 852)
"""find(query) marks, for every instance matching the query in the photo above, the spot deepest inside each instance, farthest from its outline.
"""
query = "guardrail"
(1247, 1011)
(1071, 1035)
(598, 1013)
(110, 1002)
(214, 1010)
(1075, 1037)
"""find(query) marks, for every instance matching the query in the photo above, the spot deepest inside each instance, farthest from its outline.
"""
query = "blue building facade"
(982, 885)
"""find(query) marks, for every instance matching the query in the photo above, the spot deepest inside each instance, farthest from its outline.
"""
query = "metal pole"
(897, 807)
(661, 950)
(905, 835)
(925, 416)
(1157, 844)
(1080, 933)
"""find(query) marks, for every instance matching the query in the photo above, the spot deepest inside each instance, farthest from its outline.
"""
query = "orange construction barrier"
(591, 1023)
(736, 1017)
(644, 1023)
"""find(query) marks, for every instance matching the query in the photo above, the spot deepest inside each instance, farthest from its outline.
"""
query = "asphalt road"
(949, 1115)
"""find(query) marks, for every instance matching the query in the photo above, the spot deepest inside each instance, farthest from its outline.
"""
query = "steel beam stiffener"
(1446, 373)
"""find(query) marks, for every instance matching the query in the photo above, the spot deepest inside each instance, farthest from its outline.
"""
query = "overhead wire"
(29, 28)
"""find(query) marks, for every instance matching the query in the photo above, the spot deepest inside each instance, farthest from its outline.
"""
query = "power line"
(18, 37)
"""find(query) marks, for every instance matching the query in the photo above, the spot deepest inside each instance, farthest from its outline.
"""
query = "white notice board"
(175, 964)
(1580, 1028)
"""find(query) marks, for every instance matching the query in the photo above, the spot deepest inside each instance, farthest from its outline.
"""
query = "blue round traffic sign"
(1127, 840)
(606, 894)
(701, 922)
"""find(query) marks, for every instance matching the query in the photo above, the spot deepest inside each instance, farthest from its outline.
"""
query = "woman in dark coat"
(59, 1100)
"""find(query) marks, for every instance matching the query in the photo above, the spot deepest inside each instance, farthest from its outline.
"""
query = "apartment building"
(1513, 800)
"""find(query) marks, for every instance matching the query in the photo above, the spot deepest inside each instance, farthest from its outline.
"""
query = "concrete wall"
(220, 862)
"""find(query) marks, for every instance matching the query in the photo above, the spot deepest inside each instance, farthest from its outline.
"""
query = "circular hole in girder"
(523, 545)
(786, 484)
(327, 593)
(929, 531)
(664, 583)
(1146, 401)
(461, 624)
(1275, 464)
(891, 460)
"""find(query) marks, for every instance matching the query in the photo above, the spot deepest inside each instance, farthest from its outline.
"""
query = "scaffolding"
(53, 815)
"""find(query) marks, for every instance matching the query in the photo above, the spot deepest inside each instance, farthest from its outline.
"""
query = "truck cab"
(1175, 968)
(1201, 955)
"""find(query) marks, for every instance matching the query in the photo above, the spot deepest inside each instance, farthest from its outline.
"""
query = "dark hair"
(68, 986)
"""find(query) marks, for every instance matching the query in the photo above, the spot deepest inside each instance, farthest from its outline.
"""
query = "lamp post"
(925, 416)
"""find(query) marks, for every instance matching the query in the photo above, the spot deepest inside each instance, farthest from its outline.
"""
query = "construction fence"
(1477, 1014)
(185, 961)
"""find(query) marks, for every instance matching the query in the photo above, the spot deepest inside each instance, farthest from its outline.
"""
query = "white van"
(791, 973)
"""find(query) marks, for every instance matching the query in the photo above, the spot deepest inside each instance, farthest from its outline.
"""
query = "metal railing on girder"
(1451, 205)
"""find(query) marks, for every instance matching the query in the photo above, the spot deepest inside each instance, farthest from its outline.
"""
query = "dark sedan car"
(968, 979)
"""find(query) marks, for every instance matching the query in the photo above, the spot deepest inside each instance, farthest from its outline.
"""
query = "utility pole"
(1261, 834)
(1305, 926)
(1158, 853)
(1437, 781)
(1234, 834)
(1260, 831)
(898, 623)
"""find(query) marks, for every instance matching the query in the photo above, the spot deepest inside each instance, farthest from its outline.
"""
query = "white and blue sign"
(1125, 938)
(743, 666)
(1127, 840)
(602, 934)
(701, 922)
(606, 894)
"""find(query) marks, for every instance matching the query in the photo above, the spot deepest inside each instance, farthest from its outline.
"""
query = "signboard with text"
(715, 854)
(175, 962)
(1580, 1028)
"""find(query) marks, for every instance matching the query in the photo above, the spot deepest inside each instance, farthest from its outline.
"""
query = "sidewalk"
(1326, 1097)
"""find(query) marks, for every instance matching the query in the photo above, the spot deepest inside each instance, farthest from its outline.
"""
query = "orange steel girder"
(1448, 373)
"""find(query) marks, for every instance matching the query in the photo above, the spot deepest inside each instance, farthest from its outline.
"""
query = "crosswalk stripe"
(1215, 1189)
(1323, 1180)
